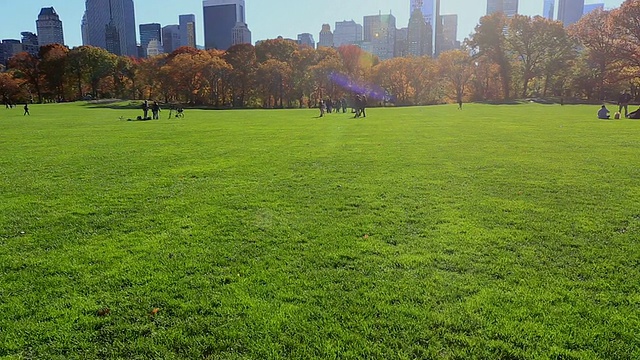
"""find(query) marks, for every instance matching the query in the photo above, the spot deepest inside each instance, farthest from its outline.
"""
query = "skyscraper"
(380, 34)
(149, 32)
(419, 35)
(438, 31)
(449, 33)
(110, 24)
(426, 8)
(306, 39)
(347, 33)
(84, 29)
(326, 36)
(220, 19)
(170, 38)
(549, 9)
(570, 11)
(187, 30)
(508, 7)
(49, 27)
(240, 34)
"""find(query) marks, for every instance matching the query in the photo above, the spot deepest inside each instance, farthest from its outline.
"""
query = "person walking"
(155, 110)
(363, 105)
(323, 107)
(26, 110)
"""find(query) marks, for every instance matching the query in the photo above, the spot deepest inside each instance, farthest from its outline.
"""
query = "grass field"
(496, 232)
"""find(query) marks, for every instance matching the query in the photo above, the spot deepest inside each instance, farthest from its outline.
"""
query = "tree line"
(520, 57)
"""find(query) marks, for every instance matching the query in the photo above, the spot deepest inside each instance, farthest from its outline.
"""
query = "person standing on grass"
(145, 109)
(155, 110)
(322, 108)
(623, 103)
(26, 109)
(363, 105)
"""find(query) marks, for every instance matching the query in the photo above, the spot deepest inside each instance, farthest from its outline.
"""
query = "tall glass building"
(112, 23)
(188, 30)
(570, 11)
(149, 32)
(426, 7)
(508, 7)
(220, 19)
(549, 9)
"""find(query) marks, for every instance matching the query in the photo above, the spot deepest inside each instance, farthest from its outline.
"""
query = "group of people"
(155, 110)
(329, 106)
(623, 104)
(10, 105)
(359, 105)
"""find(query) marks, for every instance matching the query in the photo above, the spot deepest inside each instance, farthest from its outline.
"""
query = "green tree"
(489, 41)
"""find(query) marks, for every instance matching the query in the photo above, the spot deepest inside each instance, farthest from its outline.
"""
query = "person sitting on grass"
(603, 113)
(634, 114)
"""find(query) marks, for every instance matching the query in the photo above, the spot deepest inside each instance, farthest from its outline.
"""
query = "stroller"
(178, 110)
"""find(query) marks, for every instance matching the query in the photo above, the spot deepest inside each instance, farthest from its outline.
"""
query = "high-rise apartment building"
(326, 36)
(380, 34)
(438, 31)
(549, 9)
(347, 33)
(306, 39)
(426, 8)
(153, 48)
(592, 7)
(508, 7)
(240, 34)
(49, 27)
(220, 19)
(84, 29)
(419, 35)
(187, 30)
(449, 33)
(170, 38)
(8, 49)
(149, 32)
(111, 25)
(570, 11)
(30, 43)
(401, 47)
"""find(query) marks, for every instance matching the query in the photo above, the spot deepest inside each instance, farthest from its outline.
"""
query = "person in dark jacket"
(623, 103)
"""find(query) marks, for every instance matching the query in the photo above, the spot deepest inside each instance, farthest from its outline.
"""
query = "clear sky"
(266, 18)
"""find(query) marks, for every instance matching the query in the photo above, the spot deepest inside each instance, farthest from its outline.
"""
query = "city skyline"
(307, 19)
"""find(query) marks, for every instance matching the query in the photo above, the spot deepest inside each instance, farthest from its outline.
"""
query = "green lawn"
(496, 232)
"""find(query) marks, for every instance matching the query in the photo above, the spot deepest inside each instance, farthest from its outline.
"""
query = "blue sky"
(266, 18)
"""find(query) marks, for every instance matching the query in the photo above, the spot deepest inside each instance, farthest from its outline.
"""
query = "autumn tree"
(216, 74)
(625, 24)
(27, 67)
(595, 33)
(9, 87)
(273, 78)
(456, 69)
(53, 65)
(242, 58)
